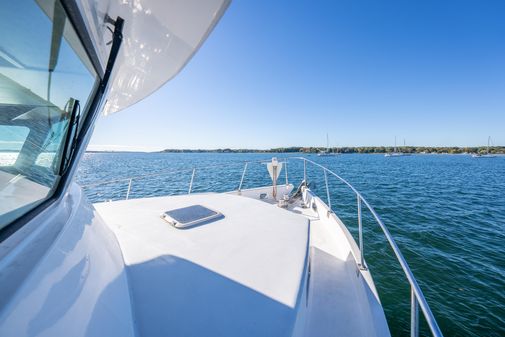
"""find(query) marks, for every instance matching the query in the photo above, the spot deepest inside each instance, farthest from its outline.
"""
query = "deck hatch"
(190, 216)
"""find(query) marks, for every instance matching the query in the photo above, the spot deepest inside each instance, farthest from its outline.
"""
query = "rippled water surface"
(446, 212)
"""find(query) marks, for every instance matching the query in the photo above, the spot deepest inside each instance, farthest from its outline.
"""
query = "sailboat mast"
(327, 143)
(395, 145)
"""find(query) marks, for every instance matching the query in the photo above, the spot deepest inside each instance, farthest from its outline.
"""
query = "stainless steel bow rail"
(161, 173)
(417, 299)
(130, 180)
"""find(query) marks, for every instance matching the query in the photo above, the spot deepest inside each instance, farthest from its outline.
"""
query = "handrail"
(163, 172)
(176, 170)
(191, 181)
(242, 178)
(417, 296)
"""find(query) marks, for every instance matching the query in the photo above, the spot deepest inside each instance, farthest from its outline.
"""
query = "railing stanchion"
(191, 181)
(360, 236)
(305, 170)
(327, 188)
(242, 179)
(286, 171)
(129, 188)
(414, 314)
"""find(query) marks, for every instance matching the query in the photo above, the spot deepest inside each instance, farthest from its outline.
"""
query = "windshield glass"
(46, 80)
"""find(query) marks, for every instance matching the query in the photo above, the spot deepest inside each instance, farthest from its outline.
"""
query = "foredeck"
(260, 270)
(241, 275)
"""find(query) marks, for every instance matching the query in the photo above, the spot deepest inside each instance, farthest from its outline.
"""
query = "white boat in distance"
(396, 153)
(327, 152)
(270, 260)
(487, 154)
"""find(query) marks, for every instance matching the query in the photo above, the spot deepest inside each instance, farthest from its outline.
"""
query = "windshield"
(46, 80)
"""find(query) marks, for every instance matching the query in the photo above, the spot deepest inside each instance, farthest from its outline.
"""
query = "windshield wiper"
(71, 139)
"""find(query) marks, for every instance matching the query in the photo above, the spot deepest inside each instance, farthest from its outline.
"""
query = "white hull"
(328, 154)
(396, 154)
(483, 156)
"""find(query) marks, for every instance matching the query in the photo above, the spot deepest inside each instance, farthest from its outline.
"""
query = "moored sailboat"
(487, 154)
(327, 152)
(397, 153)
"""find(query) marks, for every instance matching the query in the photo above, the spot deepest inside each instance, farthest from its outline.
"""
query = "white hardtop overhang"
(159, 38)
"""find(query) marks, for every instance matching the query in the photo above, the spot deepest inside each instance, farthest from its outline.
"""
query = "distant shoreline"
(343, 150)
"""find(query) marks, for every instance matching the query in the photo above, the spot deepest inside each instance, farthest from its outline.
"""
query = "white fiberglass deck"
(246, 274)
(237, 276)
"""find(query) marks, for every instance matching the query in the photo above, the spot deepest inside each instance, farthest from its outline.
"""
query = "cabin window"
(46, 83)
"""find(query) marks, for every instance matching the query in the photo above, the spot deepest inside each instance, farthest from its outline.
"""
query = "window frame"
(89, 114)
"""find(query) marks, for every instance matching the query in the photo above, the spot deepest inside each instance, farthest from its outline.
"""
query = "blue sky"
(285, 73)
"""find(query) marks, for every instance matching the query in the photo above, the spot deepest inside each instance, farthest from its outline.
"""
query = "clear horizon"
(281, 74)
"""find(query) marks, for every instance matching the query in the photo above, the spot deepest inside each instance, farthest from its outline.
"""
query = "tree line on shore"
(355, 149)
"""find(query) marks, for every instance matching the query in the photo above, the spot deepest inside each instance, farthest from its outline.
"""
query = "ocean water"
(446, 212)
